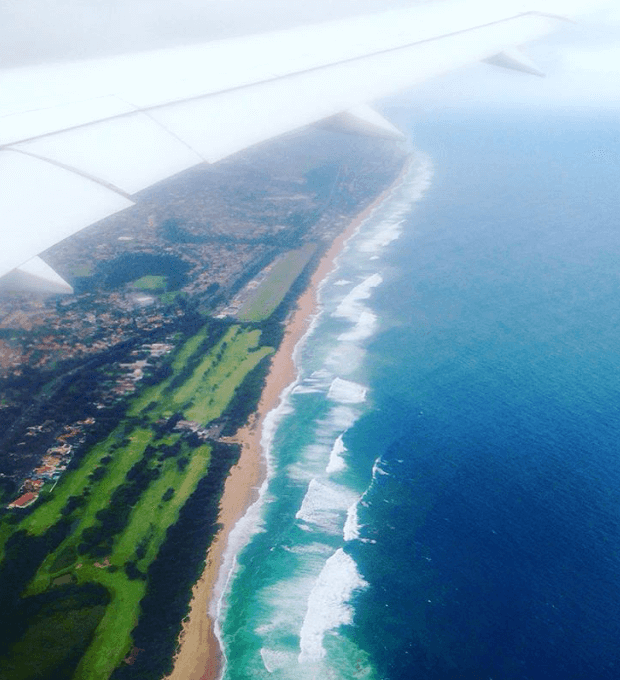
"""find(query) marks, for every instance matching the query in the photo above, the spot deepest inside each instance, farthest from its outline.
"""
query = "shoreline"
(199, 656)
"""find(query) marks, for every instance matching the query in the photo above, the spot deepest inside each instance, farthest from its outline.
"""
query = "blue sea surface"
(443, 498)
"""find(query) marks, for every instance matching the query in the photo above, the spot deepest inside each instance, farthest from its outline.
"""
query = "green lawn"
(262, 302)
(210, 403)
(201, 380)
(151, 516)
(116, 472)
(149, 519)
(83, 270)
(150, 282)
(112, 640)
(156, 393)
(75, 482)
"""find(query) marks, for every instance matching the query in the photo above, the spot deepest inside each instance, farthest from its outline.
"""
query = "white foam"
(318, 381)
(345, 358)
(351, 307)
(364, 328)
(377, 469)
(327, 596)
(336, 461)
(281, 604)
(274, 660)
(312, 460)
(309, 549)
(388, 232)
(252, 521)
(315, 456)
(341, 418)
(328, 604)
(324, 506)
(303, 389)
(411, 190)
(351, 529)
(346, 391)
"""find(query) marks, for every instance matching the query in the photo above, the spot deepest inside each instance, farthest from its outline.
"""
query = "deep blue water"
(468, 525)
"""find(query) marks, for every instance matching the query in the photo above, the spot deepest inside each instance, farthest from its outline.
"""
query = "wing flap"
(50, 119)
(221, 124)
(42, 204)
(35, 276)
(362, 120)
(59, 94)
(76, 140)
(131, 152)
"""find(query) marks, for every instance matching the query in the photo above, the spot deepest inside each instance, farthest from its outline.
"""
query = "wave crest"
(329, 604)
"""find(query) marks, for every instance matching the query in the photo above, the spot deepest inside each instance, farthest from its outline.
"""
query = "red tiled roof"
(24, 500)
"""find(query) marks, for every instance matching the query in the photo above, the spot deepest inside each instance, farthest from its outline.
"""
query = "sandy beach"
(199, 656)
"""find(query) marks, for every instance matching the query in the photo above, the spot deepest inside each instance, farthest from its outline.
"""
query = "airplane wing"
(78, 140)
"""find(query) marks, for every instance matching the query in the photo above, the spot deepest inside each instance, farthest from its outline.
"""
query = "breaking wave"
(336, 461)
(346, 391)
(329, 604)
(324, 506)
(286, 596)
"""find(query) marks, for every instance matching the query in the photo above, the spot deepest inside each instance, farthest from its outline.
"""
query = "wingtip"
(35, 276)
(515, 60)
(362, 120)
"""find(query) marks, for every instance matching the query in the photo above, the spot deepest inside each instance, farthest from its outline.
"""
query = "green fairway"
(149, 521)
(157, 393)
(151, 515)
(97, 500)
(76, 482)
(127, 491)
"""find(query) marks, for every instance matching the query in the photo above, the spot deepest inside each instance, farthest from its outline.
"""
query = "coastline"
(199, 656)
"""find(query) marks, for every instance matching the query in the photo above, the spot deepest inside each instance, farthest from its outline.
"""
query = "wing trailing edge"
(515, 59)
(77, 141)
(35, 276)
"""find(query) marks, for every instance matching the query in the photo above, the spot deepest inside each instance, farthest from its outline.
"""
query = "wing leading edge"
(78, 140)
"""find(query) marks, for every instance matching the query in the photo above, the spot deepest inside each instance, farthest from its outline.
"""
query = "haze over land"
(158, 410)
(81, 29)
(582, 61)
(118, 402)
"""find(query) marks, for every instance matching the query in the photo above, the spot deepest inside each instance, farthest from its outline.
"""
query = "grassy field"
(83, 270)
(158, 469)
(76, 483)
(151, 282)
(262, 302)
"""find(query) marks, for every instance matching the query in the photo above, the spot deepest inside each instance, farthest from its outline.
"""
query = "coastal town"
(121, 403)
(196, 244)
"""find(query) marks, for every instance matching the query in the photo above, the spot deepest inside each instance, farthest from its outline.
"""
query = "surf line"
(200, 655)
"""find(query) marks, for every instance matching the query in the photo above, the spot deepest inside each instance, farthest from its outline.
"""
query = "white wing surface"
(78, 140)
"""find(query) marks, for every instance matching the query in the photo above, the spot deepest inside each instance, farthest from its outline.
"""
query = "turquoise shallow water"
(443, 496)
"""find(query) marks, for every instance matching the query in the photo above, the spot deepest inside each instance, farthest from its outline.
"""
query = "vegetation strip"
(270, 292)
(126, 493)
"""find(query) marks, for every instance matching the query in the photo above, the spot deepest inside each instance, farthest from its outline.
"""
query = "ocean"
(443, 495)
